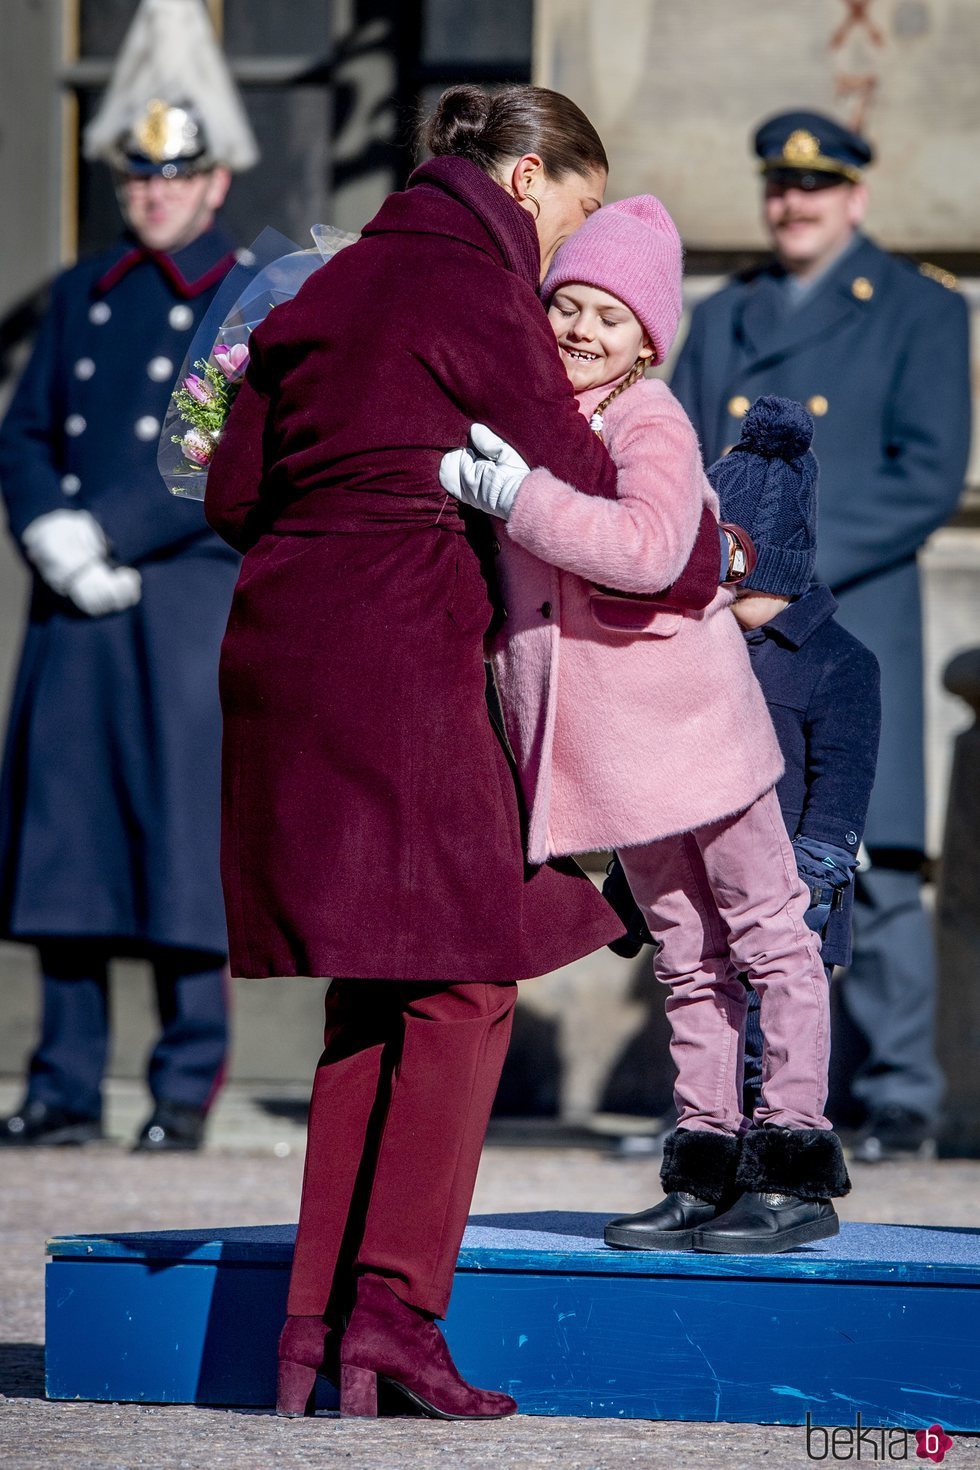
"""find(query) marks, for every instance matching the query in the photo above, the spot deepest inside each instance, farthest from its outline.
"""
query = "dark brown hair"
(490, 127)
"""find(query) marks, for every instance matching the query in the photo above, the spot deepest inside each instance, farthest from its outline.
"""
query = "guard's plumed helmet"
(171, 106)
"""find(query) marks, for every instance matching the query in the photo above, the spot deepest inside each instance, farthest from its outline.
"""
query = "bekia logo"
(876, 1444)
(932, 1443)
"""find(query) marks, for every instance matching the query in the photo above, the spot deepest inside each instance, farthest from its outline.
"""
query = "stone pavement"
(251, 1173)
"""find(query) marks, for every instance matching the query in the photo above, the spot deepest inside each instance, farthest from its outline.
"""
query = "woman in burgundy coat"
(372, 827)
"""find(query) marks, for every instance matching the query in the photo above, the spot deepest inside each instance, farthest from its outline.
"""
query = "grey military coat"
(879, 354)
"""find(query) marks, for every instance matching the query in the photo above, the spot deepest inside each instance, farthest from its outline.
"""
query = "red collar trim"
(168, 269)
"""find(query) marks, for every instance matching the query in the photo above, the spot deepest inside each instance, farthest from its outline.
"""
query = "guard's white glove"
(61, 543)
(99, 589)
(488, 476)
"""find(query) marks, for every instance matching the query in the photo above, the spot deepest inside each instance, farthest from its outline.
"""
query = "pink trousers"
(725, 899)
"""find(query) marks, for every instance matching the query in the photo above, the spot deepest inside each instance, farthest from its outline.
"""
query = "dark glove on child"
(827, 871)
(618, 895)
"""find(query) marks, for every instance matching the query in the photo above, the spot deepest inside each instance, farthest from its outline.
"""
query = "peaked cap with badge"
(109, 810)
(810, 151)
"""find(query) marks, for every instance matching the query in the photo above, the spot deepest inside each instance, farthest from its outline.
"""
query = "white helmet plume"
(171, 58)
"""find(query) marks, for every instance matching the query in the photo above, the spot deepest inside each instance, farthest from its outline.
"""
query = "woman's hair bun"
(779, 428)
(458, 123)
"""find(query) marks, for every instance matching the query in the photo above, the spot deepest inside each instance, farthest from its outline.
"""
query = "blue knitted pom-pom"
(779, 428)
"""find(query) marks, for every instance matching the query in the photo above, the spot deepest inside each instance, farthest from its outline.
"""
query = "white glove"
(488, 476)
(61, 543)
(99, 589)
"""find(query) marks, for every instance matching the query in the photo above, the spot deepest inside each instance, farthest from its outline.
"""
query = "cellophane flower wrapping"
(270, 272)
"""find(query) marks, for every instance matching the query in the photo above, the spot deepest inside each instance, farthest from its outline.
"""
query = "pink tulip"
(198, 447)
(198, 388)
(232, 360)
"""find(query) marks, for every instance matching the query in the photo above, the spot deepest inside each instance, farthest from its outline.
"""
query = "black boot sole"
(73, 1135)
(651, 1240)
(768, 1245)
(172, 1146)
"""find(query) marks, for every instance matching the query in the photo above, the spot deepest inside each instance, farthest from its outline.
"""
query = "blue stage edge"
(884, 1321)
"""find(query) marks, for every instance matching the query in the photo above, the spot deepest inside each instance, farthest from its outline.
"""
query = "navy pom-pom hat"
(767, 483)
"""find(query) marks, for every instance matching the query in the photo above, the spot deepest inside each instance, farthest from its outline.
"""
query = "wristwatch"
(741, 552)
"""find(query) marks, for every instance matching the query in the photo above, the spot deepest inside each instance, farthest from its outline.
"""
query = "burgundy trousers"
(400, 1106)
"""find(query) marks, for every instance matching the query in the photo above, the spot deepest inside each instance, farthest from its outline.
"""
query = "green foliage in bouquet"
(204, 400)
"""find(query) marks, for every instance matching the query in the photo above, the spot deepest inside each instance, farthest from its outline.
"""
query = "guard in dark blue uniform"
(878, 351)
(109, 811)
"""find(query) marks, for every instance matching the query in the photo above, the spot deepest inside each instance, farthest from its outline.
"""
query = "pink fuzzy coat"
(628, 721)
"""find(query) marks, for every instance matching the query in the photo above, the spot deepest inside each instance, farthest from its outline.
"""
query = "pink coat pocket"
(634, 615)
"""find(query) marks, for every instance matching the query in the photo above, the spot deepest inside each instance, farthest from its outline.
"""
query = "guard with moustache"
(877, 349)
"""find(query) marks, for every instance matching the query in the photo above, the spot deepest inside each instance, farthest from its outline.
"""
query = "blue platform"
(885, 1319)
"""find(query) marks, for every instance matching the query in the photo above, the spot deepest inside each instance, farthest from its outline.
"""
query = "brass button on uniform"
(817, 405)
(738, 406)
(862, 288)
(546, 609)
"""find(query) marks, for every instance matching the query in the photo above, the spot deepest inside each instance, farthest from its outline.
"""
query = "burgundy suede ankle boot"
(401, 1346)
(308, 1347)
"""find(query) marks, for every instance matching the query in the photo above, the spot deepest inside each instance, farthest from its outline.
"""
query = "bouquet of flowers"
(269, 273)
(204, 398)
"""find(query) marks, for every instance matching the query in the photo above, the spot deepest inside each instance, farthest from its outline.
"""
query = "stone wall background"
(676, 88)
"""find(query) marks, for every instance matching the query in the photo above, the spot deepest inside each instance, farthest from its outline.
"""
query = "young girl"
(640, 726)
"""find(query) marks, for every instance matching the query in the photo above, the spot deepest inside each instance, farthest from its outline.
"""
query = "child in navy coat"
(821, 686)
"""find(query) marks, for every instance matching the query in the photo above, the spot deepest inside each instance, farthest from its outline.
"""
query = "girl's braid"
(633, 376)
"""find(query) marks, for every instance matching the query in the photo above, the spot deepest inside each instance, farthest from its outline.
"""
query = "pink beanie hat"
(632, 250)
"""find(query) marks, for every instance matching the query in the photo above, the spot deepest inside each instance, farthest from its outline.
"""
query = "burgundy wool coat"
(371, 820)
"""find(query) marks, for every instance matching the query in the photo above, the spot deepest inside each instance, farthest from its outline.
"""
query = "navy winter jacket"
(822, 688)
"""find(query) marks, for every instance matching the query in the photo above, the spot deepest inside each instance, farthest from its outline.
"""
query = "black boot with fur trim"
(788, 1177)
(698, 1173)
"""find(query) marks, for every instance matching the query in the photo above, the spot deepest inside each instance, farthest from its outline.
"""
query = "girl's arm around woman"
(641, 541)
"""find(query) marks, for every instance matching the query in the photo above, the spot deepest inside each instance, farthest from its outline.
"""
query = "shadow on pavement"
(22, 1370)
